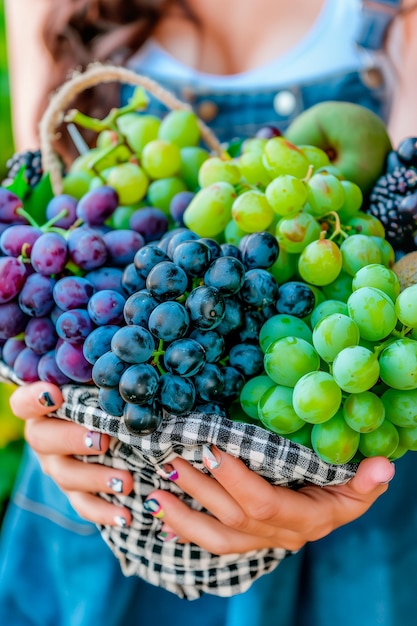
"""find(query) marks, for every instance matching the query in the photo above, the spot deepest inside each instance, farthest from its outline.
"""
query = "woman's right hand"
(56, 441)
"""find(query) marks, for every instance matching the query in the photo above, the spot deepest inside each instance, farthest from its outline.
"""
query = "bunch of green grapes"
(344, 380)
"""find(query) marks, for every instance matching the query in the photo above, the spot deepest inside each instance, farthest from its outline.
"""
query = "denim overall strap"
(377, 16)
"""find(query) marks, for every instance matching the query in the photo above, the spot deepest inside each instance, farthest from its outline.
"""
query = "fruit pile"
(249, 284)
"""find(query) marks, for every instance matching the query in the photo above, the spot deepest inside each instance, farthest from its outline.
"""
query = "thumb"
(372, 473)
(35, 400)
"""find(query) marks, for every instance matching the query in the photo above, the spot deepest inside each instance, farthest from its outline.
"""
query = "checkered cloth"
(186, 569)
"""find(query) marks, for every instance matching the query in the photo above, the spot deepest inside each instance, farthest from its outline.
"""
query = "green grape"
(334, 441)
(382, 441)
(295, 233)
(280, 156)
(283, 325)
(107, 138)
(254, 144)
(364, 224)
(320, 262)
(331, 169)
(352, 202)
(317, 397)
(284, 267)
(82, 163)
(406, 306)
(253, 169)
(373, 311)
(252, 211)
(339, 289)
(355, 369)
(315, 156)
(399, 451)
(192, 158)
(107, 158)
(180, 127)
(334, 333)
(286, 194)
(276, 412)
(289, 358)
(161, 192)
(363, 411)
(358, 251)
(302, 436)
(138, 129)
(252, 392)
(120, 219)
(130, 182)
(210, 210)
(236, 413)
(161, 159)
(233, 233)
(413, 334)
(398, 363)
(76, 184)
(378, 276)
(386, 250)
(401, 407)
(215, 169)
(408, 439)
(325, 308)
(324, 194)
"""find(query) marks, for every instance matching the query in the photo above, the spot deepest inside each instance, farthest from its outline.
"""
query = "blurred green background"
(11, 429)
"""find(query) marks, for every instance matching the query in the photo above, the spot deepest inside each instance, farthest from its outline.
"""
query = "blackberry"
(31, 161)
(384, 202)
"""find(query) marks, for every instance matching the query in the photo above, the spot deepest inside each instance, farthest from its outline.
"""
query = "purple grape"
(184, 357)
(86, 248)
(98, 342)
(259, 250)
(267, 132)
(11, 349)
(176, 394)
(106, 307)
(141, 420)
(62, 202)
(209, 382)
(131, 281)
(150, 222)
(259, 288)
(122, 246)
(12, 320)
(147, 257)
(12, 278)
(139, 383)
(40, 335)
(9, 204)
(108, 369)
(49, 254)
(72, 292)
(36, 297)
(206, 307)
(169, 321)
(233, 383)
(133, 344)
(49, 371)
(226, 274)
(106, 278)
(97, 205)
(111, 401)
(138, 308)
(71, 361)
(178, 204)
(193, 257)
(166, 281)
(26, 365)
(247, 358)
(233, 316)
(212, 342)
(18, 239)
(295, 298)
(74, 325)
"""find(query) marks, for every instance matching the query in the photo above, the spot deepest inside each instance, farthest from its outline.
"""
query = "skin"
(247, 512)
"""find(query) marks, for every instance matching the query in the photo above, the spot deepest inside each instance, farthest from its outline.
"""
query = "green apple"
(355, 139)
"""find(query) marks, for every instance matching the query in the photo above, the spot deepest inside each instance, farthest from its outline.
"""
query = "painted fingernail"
(45, 399)
(209, 459)
(153, 507)
(166, 535)
(93, 440)
(167, 472)
(115, 484)
(120, 521)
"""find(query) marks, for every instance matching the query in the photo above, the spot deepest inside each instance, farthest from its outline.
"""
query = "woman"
(292, 55)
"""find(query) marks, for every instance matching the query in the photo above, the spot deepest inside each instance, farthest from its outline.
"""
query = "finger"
(74, 475)
(99, 511)
(372, 475)
(48, 435)
(35, 400)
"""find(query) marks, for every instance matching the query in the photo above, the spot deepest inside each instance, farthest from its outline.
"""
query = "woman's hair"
(78, 32)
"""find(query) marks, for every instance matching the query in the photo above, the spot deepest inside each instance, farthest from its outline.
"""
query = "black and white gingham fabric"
(187, 570)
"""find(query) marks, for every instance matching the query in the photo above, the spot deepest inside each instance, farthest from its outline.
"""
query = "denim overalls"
(55, 570)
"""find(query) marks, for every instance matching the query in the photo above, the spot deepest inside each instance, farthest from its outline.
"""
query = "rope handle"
(94, 74)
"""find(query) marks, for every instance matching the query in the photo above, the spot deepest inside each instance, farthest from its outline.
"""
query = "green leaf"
(19, 185)
(35, 202)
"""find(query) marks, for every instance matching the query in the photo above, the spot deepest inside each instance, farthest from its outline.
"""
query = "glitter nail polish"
(115, 484)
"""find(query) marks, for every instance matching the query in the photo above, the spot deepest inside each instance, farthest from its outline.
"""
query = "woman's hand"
(56, 441)
(247, 513)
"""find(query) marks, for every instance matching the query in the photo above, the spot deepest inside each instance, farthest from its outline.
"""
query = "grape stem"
(156, 354)
(338, 230)
(309, 174)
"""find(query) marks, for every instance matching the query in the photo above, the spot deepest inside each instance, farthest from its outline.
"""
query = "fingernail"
(209, 460)
(385, 482)
(167, 472)
(166, 535)
(115, 484)
(120, 521)
(153, 507)
(93, 440)
(45, 399)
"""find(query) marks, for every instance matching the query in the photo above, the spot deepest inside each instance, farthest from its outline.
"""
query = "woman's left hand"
(248, 513)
